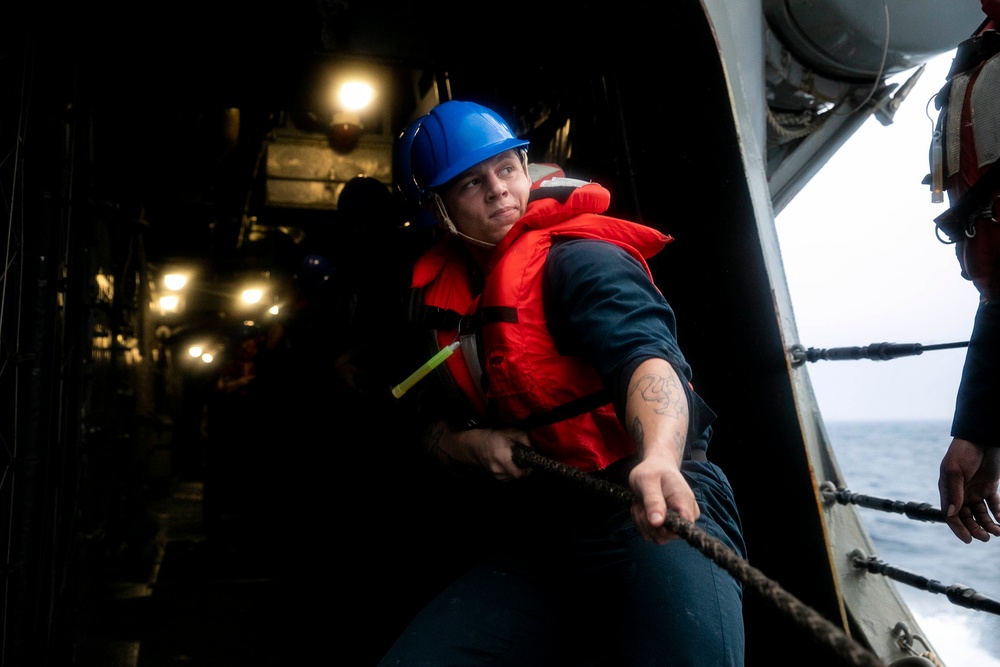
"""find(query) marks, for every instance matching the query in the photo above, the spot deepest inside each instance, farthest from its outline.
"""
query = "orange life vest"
(518, 377)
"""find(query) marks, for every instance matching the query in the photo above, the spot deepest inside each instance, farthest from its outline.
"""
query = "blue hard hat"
(442, 144)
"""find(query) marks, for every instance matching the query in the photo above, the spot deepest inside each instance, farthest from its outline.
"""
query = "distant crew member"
(964, 153)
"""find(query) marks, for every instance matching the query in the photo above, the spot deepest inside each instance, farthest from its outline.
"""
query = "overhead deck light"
(252, 295)
(169, 303)
(355, 95)
(351, 96)
(175, 281)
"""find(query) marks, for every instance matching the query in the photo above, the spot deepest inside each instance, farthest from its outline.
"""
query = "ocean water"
(899, 460)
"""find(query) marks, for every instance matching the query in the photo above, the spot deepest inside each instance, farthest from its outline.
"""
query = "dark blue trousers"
(595, 594)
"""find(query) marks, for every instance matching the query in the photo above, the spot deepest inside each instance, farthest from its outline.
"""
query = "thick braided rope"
(845, 646)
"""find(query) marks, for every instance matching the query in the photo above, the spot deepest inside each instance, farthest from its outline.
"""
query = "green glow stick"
(419, 374)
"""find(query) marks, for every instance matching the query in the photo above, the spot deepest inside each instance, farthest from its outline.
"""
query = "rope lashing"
(845, 646)
(913, 510)
(874, 351)
(958, 594)
(962, 596)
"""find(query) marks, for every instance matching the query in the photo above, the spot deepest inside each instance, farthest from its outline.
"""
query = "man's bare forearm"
(657, 409)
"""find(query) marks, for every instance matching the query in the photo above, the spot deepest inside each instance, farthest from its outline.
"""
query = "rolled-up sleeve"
(601, 306)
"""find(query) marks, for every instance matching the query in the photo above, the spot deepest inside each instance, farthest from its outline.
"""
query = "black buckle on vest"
(958, 221)
(436, 318)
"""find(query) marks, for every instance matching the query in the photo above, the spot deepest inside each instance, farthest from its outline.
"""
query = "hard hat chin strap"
(445, 220)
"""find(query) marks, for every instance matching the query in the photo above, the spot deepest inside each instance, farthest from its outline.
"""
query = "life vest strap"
(956, 222)
(439, 319)
(566, 411)
(497, 314)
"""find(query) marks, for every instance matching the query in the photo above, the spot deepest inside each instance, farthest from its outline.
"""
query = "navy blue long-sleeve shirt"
(976, 409)
(601, 306)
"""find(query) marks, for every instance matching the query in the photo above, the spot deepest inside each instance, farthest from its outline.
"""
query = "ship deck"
(183, 593)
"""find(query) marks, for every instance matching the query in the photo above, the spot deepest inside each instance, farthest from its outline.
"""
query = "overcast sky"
(864, 266)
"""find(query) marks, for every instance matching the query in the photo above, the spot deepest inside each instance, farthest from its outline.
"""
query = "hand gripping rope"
(846, 647)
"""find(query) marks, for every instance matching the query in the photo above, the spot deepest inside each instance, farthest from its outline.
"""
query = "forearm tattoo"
(667, 398)
(664, 392)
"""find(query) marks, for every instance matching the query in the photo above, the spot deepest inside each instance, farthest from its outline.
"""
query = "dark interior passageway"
(174, 597)
(250, 588)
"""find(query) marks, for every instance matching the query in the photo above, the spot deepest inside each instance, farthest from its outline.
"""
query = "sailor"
(964, 162)
(554, 337)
